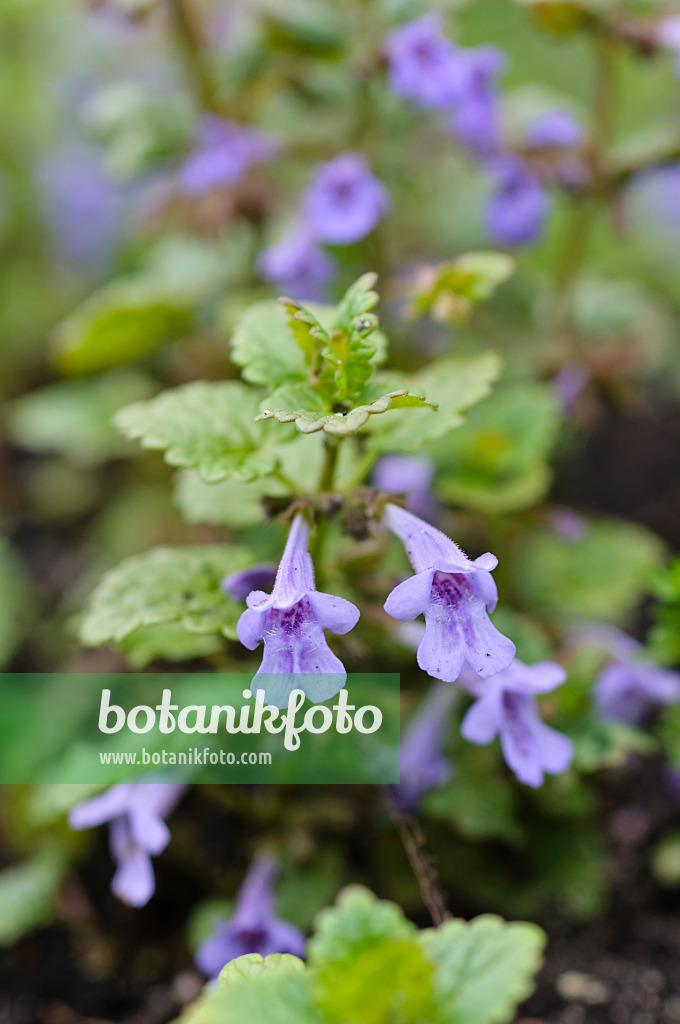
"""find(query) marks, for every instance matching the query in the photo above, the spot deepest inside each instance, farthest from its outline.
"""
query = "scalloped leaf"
(264, 346)
(342, 424)
(483, 968)
(454, 383)
(165, 585)
(208, 426)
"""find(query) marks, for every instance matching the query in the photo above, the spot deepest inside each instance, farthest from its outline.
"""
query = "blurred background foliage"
(116, 285)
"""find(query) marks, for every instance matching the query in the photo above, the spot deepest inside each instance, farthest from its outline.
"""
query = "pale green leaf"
(166, 642)
(483, 969)
(207, 426)
(227, 503)
(282, 995)
(165, 585)
(27, 894)
(358, 921)
(454, 383)
(120, 323)
(264, 347)
(342, 424)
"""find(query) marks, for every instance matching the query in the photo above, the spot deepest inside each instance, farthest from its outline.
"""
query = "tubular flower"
(291, 622)
(254, 928)
(454, 594)
(297, 265)
(137, 831)
(424, 66)
(506, 707)
(225, 150)
(344, 201)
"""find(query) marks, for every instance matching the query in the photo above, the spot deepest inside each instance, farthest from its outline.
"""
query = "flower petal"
(104, 807)
(334, 613)
(483, 721)
(251, 626)
(410, 598)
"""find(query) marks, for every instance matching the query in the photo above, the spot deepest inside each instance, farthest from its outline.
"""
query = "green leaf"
(228, 503)
(264, 347)
(448, 291)
(342, 424)
(478, 803)
(74, 418)
(27, 894)
(252, 993)
(358, 921)
(206, 426)
(15, 603)
(366, 962)
(167, 642)
(454, 383)
(482, 969)
(254, 965)
(120, 323)
(496, 462)
(602, 575)
(165, 585)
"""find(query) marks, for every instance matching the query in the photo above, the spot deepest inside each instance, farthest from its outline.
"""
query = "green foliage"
(227, 503)
(454, 383)
(207, 426)
(368, 965)
(340, 424)
(165, 585)
(73, 418)
(15, 602)
(448, 291)
(166, 642)
(497, 461)
(27, 893)
(664, 638)
(602, 575)
(121, 323)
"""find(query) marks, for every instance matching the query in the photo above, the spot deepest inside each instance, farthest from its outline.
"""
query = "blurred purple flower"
(556, 129)
(137, 831)
(518, 205)
(297, 265)
(567, 524)
(476, 113)
(424, 66)
(422, 762)
(84, 207)
(344, 201)
(506, 707)
(668, 36)
(224, 152)
(628, 691)
(410, 475)
(237, 585)
(569, 383)
(454, 594)
(291, 622)
(254, 928)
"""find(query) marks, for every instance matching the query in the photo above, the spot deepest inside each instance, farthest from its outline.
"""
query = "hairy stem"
(325, 485)
(421, 863)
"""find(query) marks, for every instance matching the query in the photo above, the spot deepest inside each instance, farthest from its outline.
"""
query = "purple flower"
(569, 383)
(237, 585)
(410, 475)
(518, 205)
(556, 129)
(668, 35)
(422, 762)
(137, 832)
(291, 622)
(84, 207)
(630, 692)
(506, 707)
(224, 152)
(424, 66)
(568, 524)
(454, 594)
(345, 201)
(297, 265)
(476, 114)
(254, 928)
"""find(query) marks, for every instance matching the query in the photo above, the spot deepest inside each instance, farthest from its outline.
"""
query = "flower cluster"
(427, 68)
(342, 204)
(459, 643)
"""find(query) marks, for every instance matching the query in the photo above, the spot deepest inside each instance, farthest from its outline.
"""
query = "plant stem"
(413, 841)
(324, 486)
(191, 46)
